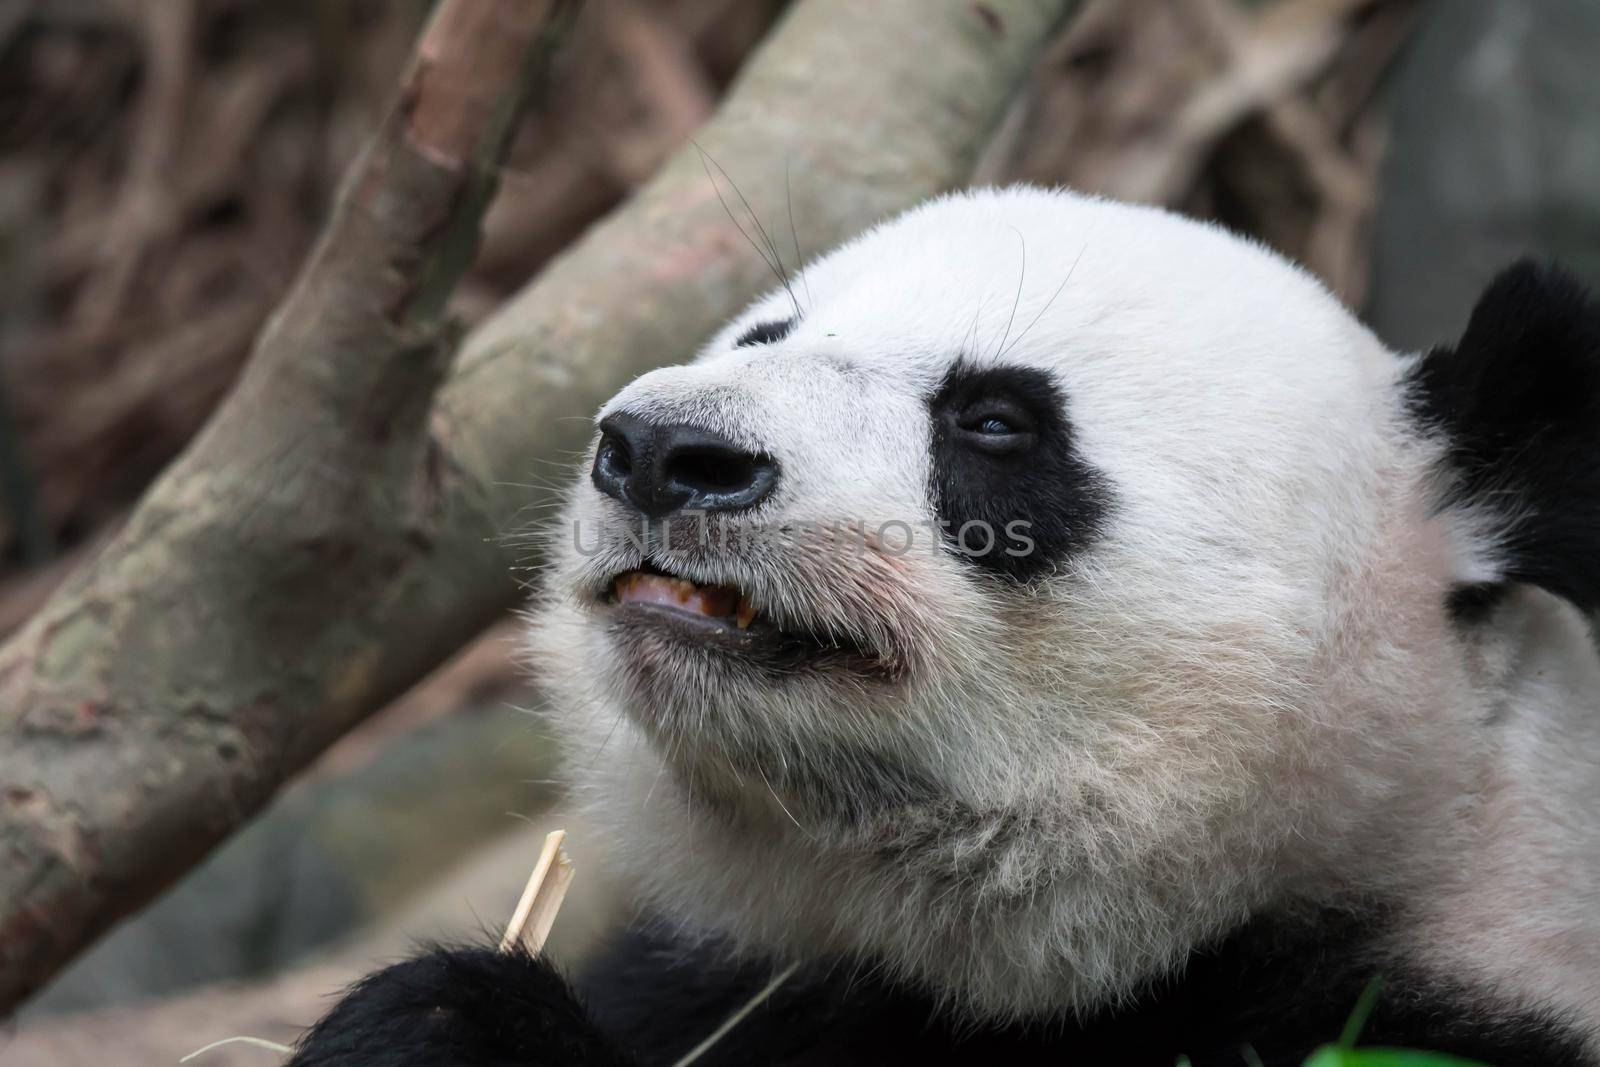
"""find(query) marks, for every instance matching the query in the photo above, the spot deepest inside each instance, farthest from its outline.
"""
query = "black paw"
(458, 1007)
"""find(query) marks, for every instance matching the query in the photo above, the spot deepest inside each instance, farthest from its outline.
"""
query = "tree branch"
(330, 536)
(159, 698)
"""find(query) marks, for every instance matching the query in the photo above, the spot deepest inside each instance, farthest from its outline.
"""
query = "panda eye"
(995, 426)
(992, 426)
(765, 333)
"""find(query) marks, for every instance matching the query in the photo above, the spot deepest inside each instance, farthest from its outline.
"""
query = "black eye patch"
(1011, 493)
(765, 333)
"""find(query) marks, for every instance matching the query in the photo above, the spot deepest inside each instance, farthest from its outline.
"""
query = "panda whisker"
(651, 792)
(1022, 277)
(794, 234)
(784, 807)
(768, 253)
(617, 721)
(969, 339)
(1047, 303)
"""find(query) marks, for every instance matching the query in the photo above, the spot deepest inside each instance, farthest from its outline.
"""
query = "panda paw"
(467, 1007)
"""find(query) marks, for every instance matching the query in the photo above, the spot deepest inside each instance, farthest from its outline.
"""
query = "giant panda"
(1056, 631)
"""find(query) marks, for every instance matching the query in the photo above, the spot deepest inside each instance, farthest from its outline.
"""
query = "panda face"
(1056, 571)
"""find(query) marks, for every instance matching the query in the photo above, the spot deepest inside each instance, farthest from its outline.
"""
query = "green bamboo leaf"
(1363, 1011)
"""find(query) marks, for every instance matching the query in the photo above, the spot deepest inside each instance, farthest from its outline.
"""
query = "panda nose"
(662, 468)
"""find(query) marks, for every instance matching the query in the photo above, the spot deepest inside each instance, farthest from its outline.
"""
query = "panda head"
(1039, 585)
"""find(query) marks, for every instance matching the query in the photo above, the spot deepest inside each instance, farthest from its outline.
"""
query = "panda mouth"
(721, 605)
(656, 611)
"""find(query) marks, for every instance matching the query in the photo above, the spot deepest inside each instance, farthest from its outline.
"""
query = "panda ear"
(1517, 401)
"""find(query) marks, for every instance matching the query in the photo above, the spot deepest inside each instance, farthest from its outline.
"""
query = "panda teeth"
(712, 601)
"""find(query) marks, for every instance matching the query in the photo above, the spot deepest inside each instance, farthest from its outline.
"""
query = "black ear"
(1518, 402)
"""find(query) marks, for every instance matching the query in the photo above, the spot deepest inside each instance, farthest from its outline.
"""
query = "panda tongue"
(713, 601)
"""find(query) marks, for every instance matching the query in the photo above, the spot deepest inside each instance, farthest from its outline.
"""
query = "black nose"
(661, 468)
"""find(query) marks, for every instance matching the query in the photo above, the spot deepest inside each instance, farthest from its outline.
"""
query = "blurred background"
(165, 164)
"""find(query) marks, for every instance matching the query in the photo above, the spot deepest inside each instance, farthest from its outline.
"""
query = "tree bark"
(158, 698)
(342, 525)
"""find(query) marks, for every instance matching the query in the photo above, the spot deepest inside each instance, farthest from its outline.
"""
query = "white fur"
(1245, 693)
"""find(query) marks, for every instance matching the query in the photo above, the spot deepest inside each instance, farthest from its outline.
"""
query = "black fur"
(1280, 988)
(461, 1007)
(1518, 401)
(1022, 487)
(765, 333)
(1471, 603)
